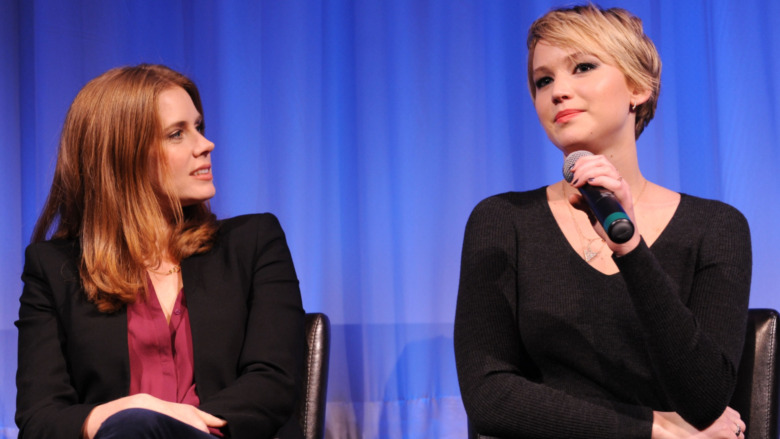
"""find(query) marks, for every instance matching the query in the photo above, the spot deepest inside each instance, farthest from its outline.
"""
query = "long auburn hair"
(110, 190)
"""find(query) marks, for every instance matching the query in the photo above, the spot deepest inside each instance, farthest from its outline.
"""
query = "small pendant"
(589, 253)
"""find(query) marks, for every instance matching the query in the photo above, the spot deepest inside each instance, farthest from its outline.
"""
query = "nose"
(561, 89)
(204, 146)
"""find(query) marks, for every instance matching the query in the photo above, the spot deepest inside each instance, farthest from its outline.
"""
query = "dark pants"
(147, 424)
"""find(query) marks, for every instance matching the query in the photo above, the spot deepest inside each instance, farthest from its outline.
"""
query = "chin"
(568, 144)
(195, 200)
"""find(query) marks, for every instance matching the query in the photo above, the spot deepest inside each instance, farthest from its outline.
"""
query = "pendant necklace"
(588, 252)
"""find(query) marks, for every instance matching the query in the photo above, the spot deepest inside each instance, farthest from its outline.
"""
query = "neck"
(624, 158)
(162, 263)
(165, 268)
(627, 166)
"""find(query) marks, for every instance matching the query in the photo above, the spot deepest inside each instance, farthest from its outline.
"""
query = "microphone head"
(571, 159)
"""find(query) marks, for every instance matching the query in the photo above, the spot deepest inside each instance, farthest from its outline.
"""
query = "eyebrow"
(179, 124)
(541, 69)
(573, 57)
(183, 123)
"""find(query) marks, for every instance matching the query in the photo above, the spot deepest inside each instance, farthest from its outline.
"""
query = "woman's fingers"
(211, 420)
(596, 170)
(183, 412)
(729, 426)
(189, 415)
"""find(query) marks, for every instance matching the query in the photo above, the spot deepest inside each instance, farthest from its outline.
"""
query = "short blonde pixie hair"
(614, 36)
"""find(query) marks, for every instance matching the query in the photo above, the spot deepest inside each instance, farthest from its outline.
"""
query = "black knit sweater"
(548, 347)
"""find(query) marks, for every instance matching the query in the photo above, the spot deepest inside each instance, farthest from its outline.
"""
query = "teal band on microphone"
(612, 218)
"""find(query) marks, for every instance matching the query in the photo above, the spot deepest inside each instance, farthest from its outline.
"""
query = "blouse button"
(177, 311)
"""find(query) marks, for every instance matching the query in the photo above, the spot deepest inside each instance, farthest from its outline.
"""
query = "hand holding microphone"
(603, 204)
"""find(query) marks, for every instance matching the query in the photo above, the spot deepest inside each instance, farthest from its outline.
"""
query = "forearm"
(694, 345)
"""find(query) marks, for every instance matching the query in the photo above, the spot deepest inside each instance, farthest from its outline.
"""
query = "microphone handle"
(608, 212)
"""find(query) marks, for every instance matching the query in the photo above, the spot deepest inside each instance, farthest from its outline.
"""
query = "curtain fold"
(371, 129)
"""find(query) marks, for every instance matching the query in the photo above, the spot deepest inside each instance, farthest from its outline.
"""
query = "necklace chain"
(587, 252)
(174, 269)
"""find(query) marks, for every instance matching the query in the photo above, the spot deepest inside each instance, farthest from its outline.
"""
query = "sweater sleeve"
(499, 383)
(695, 344)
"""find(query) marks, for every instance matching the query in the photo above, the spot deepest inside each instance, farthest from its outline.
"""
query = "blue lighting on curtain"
(372, 128)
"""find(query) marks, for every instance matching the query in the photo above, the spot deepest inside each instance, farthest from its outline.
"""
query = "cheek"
(172, 171)
(615, 90)
(176, 163)
(541, 108)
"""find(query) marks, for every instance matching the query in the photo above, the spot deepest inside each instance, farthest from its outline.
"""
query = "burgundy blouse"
(160, 352)
(161, 361)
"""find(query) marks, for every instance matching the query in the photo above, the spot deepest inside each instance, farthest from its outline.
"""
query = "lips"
(566, 115)
(202, 171)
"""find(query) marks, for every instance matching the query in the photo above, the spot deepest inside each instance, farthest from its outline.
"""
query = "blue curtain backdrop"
(371, 128)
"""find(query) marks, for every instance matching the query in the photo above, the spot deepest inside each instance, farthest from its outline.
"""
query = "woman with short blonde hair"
(564, 329)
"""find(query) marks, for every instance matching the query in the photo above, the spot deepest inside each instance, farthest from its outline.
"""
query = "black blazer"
(247, 334)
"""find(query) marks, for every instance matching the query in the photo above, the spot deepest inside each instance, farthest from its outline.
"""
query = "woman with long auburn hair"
(141, 314)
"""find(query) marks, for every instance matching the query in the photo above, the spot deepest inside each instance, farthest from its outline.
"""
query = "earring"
(633, 107)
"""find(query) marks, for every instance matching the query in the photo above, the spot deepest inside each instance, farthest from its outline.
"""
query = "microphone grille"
(571, 159)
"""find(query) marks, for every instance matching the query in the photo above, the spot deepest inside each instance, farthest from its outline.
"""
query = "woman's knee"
(142, 423)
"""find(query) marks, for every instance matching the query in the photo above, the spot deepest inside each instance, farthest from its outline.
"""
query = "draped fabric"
(371, 128)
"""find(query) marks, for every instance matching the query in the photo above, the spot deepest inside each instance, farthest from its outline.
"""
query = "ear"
(639, 97)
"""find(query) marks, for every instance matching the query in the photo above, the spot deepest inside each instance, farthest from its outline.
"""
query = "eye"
(200, 127)
(541, 82)
(584, 67)
(176, 135)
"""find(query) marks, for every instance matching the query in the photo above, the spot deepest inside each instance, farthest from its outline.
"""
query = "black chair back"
(310, 413)
(756, 394)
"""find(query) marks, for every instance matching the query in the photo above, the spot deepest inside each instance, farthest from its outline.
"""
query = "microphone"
(602, 203)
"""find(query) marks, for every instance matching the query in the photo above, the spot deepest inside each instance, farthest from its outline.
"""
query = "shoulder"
(248, 224)
(61, 255)
(55, 247)
(496, 220)
(248, 233)
(711, 213)
(51, 272)
(509, 204)
(718, 230)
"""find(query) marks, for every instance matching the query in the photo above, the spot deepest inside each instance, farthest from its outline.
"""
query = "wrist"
(101, 412)
(659, 430)
(620, 250)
